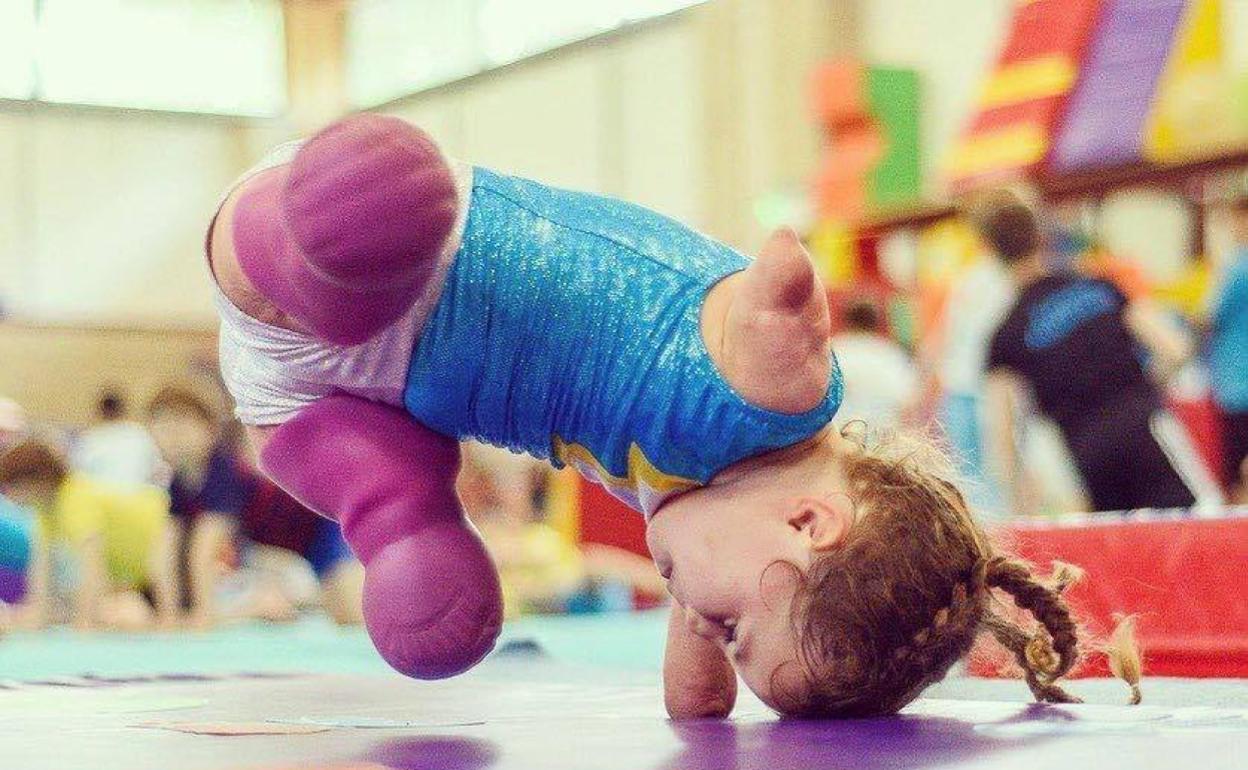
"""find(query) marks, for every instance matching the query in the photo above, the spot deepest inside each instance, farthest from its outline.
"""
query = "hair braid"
(905, 595)
(1053, 650)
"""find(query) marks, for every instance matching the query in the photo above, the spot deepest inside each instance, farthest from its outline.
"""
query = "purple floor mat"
(536, 714)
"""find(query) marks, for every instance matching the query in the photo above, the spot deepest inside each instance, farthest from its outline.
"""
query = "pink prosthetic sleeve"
(346, 237)
(432, 602)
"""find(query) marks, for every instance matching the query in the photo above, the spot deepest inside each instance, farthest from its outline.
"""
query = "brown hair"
(178, 398)
(32, 460)
(1007, 224)
(904, 597)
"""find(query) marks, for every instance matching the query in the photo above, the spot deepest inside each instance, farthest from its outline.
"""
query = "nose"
(703, 627)
(664, 566)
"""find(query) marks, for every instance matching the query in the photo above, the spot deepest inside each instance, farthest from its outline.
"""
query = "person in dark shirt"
(1228, 356)
(217, 499)
(1075, 345)
(207, 494)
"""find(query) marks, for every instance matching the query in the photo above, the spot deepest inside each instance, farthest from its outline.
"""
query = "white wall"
(102, 213)
(695, 115)
(620, 118)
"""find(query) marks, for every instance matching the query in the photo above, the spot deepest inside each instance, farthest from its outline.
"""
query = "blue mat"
(311, 645)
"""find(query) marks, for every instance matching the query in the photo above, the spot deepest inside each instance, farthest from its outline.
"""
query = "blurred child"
(206, 493)
(1072, 343)
(540, 568)
(273, 519)
(881, 384)
(116, 540)
(117, 450)
(217, 501)
(1228, 358)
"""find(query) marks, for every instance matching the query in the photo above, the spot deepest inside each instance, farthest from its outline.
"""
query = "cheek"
(779, 683)
(716, 584)
(774, 671)
(717, 563)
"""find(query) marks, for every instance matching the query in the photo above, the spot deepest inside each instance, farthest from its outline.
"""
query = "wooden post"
(316, 62)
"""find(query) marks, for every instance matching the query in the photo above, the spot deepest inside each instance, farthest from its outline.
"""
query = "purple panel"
(12, 585)
(1104, 123)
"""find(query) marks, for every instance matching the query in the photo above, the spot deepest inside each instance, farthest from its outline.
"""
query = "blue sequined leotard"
(568, 328)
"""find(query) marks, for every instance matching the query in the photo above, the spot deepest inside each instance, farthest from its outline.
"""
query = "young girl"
(214, 498)
(379, 300)
(117, 540)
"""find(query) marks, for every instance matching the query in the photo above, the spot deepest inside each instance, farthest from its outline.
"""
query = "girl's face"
(183, 437)
(734, 561)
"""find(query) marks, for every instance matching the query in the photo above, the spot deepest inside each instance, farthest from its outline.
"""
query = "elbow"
(708, 701)
(715, 707)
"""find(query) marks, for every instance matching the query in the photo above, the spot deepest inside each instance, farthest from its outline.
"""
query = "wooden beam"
(316, 62)
(1092, 183)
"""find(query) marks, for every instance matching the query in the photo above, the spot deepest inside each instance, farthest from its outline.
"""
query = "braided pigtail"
(1052, 651)
(1125, 660)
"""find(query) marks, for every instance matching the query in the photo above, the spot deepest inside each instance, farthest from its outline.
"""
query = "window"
(223, 56)
(17, 49)
(398, 47)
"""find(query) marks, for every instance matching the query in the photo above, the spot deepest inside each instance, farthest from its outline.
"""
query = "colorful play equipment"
(1093, 84)
(1022, 101)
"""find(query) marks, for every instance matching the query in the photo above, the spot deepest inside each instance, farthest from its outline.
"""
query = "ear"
(824, 521)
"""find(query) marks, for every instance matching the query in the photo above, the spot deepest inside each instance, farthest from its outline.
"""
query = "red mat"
(1184, 577)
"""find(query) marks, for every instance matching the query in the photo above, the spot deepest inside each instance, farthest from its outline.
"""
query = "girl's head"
(31, 472)
(184, 425)
(843, 580)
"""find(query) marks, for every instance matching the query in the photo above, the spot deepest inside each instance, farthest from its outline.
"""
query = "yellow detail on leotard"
(642, 489)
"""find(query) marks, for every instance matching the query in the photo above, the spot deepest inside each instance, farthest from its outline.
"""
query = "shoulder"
(776, 330)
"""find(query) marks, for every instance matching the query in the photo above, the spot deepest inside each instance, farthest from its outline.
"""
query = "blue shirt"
(569, 328)
(224, 490)
(16, 527)
(1228, 342)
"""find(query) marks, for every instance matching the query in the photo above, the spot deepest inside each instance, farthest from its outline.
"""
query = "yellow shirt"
(130, 523)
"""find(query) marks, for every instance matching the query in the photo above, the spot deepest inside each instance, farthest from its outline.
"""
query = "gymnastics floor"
(562, 693)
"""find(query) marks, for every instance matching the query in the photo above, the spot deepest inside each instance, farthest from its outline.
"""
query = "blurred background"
(869, 127)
